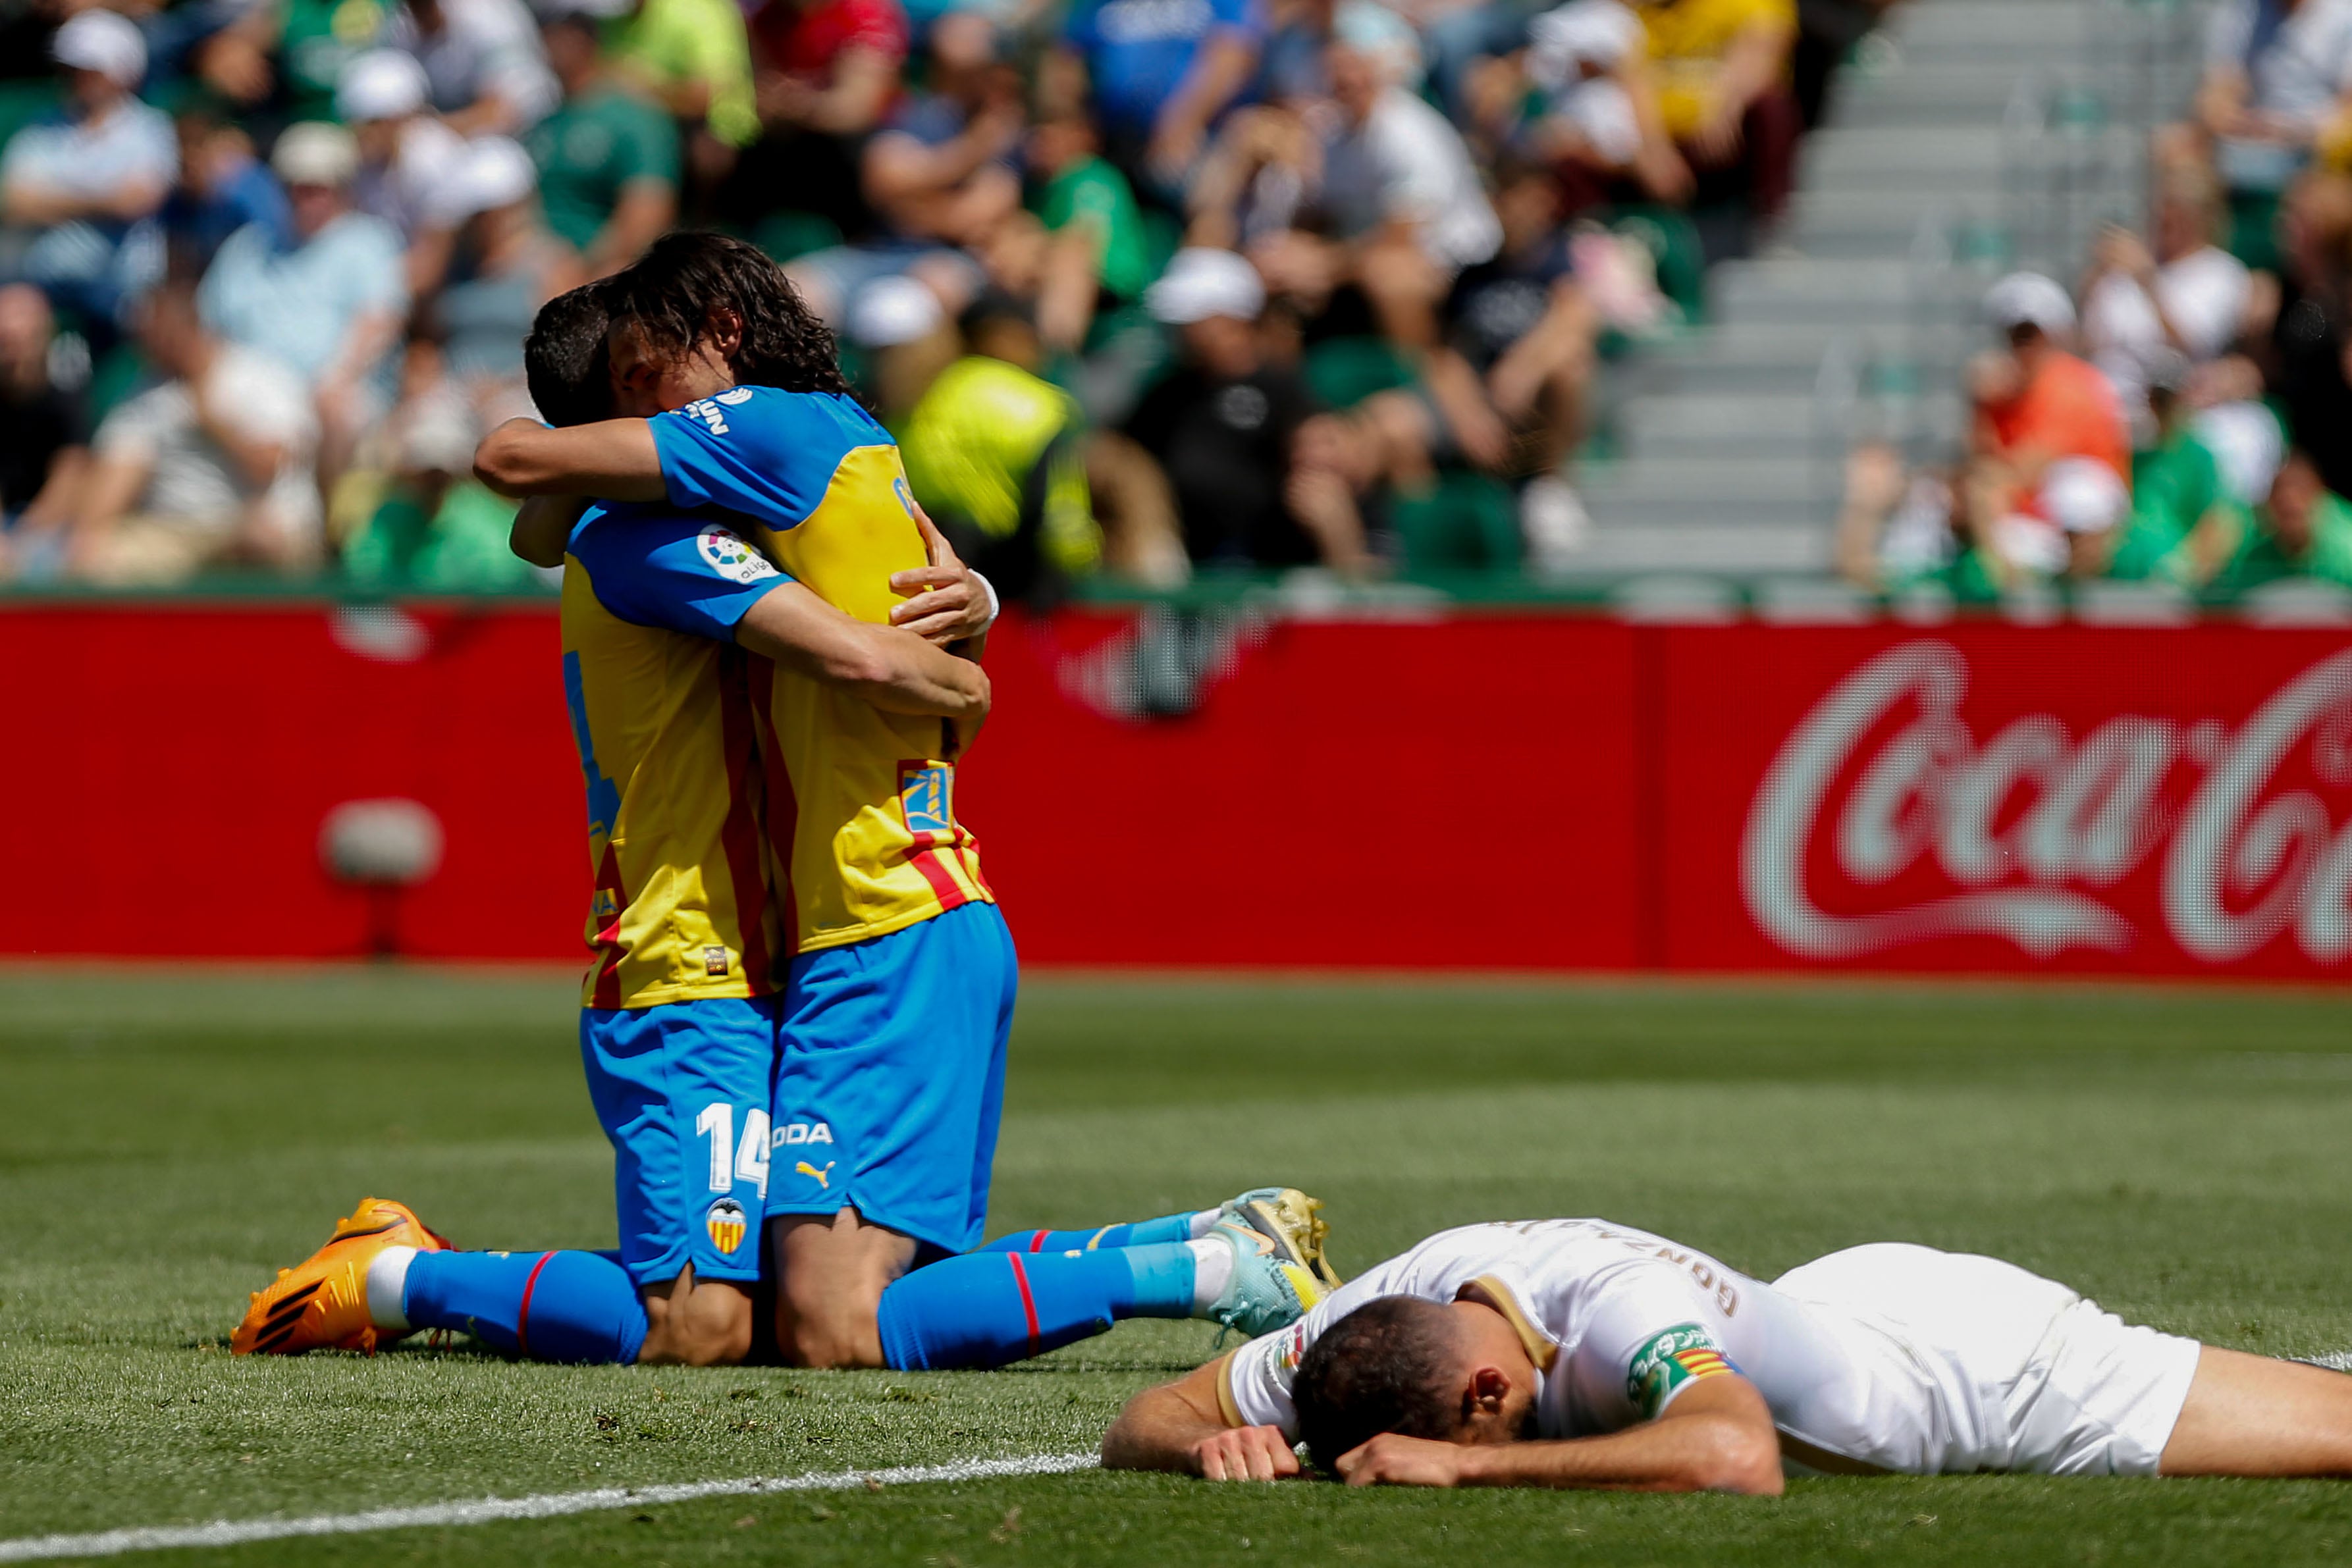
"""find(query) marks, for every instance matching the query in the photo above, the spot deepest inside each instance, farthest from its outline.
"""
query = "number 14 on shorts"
(730, 1161)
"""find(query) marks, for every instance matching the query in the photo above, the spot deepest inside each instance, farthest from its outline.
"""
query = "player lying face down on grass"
(1577, 1352)
(644, 591)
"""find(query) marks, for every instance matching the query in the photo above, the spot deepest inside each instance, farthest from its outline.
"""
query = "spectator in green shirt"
(608, 161)
(2183, 523)
(2304, 531)
(315, 41)
(692, 55)
(1098, 246)
(436, 527)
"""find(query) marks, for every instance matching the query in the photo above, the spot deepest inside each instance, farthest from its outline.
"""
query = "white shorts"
(1971, 1363)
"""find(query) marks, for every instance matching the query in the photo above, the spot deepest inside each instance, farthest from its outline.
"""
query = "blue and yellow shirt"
(865, 831)
(666, 712)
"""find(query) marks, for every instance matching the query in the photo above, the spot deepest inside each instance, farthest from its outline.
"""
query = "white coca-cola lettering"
(2325, 928)
(2025, 824)
(2278, 853)
(2028, 751)
(2101, 817)
(1904, 804)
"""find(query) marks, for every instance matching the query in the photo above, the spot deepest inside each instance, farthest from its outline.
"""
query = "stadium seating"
(1972, 136)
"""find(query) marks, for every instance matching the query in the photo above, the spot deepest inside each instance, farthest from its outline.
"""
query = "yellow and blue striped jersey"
(863, 824)
(666, 723)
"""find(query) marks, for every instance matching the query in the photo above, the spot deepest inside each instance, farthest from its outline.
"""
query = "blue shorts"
(683, 1089)
(891, 1079)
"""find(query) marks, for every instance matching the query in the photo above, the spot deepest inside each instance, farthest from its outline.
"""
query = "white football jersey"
(1880, 1358)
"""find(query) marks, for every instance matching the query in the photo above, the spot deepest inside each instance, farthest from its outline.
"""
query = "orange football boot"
(321, 1302)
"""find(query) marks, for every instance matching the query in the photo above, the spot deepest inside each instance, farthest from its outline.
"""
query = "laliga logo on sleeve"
(730, 558)
(2250, 851)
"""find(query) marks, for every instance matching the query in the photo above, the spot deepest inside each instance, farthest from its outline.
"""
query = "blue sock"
(549, 1306)
(1141, 1233)
(984, 1308)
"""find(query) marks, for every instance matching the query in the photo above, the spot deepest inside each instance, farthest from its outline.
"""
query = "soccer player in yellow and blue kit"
(681, 1004)
(900, 997)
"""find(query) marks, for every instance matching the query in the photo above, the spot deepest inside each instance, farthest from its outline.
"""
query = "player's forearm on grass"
(1723, 1442)
(1162, 1429)
(612, 458)
(895, 671)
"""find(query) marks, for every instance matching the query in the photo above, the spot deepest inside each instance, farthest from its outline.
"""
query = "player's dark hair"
(1385, 1367)
(564, 361)
(672, 292)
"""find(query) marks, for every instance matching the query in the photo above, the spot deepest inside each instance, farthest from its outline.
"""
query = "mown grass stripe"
(497, 1509)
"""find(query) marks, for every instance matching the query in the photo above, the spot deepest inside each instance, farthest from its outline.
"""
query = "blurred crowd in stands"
(1145, 287)
(2183, 414)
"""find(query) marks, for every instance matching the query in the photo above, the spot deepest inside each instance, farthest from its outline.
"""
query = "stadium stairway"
(1972, 136)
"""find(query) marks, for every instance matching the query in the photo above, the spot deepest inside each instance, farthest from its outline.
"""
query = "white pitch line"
(493, 1510)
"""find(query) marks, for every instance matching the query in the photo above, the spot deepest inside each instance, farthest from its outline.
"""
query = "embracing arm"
(1181, 1426)
(1717, 1437)
(893, 669)
(614, 458)
(542, 526)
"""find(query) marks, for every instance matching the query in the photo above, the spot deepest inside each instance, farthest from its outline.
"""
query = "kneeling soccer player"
(900, 982)
(1575, 1353)
(681, 1009)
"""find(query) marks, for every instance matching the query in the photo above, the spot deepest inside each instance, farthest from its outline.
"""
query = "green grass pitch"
(169, 1138)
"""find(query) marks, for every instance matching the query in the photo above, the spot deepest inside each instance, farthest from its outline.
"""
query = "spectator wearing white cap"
(908, 339)
(2045, 421)
(1600, 121)
(405, 154)
(327, 299)
(79, 191)
(507, 265)
(1222, 423)
(484, 68)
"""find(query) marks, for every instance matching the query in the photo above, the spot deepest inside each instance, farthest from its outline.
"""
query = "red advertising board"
(2170, 801)
(1516, 791)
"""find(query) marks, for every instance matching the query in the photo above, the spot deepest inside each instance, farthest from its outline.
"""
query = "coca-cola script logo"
(2031, 828)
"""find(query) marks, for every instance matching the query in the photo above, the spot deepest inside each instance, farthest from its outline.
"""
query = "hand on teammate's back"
(946, 603)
